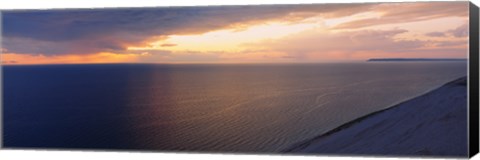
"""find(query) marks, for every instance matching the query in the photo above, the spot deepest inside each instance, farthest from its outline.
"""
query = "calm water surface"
(228, 108)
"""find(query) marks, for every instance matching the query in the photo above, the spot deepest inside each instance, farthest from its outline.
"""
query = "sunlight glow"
(227, 40)
(12, 58)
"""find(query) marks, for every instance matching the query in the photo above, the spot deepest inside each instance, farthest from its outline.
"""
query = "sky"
(237, 34)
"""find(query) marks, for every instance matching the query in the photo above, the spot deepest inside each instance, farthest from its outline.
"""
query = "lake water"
(227, 108)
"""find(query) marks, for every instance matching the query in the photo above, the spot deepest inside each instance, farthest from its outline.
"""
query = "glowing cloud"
(234, 34)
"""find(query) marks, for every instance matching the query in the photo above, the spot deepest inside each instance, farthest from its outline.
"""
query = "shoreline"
(317, 141)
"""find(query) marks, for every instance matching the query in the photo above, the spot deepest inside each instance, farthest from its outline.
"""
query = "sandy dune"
(434, 124)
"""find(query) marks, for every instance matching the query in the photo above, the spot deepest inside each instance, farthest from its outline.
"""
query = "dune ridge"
(433, 124)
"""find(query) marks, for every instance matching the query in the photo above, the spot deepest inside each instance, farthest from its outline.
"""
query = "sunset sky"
(236, 34)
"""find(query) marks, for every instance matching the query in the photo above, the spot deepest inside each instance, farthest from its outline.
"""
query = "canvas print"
(382, 79)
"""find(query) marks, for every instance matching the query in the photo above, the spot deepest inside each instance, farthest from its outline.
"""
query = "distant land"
(414, 59)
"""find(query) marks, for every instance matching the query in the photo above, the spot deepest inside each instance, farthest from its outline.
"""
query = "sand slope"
(434, 124)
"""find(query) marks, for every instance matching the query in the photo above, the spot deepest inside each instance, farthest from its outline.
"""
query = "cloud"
(409, 12)
(69, 58)
(9, 62)
(459, 32)
(364, 40)
(318, 45)
(75, 33)
(80, 46)
(435, 34)
(451, 43)
(289, 57)
(168, 45)
(55, 32)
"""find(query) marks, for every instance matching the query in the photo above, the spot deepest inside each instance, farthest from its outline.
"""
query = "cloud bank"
(331, 32)
(54, 32)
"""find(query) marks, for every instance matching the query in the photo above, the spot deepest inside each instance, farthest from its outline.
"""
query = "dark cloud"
(53, 32)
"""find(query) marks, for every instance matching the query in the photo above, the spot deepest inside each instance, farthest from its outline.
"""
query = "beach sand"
(432, 125)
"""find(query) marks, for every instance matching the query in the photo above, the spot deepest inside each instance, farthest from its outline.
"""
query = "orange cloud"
(12, 58)
(168, 45)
